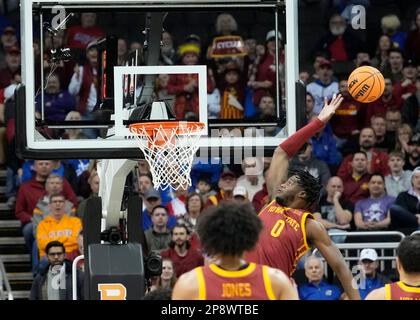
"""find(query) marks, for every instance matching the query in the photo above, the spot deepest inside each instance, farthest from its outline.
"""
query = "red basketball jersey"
(400, 291)
(251, 283)
(283, 239)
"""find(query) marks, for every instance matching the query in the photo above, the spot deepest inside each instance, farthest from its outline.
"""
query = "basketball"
(366, 84)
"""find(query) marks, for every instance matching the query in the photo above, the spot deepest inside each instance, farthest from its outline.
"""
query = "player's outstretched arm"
(280, 162)
(282, 286)
(318, 237)
(186, 288)
(377, 294)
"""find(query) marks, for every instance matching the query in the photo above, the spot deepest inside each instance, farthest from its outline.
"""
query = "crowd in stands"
(367, 158)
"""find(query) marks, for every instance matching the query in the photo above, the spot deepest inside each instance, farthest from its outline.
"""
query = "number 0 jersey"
(401, 291)
(250, 283)
(283, 239)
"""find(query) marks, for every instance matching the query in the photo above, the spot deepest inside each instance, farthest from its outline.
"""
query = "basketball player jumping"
(289, 229)
(408, 266)
(226, 232)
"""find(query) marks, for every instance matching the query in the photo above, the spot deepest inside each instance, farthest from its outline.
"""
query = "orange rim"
(181, 127)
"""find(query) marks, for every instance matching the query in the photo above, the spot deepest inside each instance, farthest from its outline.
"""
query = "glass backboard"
(78, 98)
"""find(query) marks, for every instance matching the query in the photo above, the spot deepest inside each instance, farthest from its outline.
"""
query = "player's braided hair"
(309, 184)
(228, 229)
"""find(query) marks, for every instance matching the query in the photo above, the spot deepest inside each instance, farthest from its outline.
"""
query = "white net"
(169, 152)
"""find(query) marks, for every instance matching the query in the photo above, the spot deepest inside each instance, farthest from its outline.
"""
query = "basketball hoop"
(169, 148)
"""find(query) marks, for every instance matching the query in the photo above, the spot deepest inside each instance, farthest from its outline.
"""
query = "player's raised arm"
(319, 238)
(286, 150)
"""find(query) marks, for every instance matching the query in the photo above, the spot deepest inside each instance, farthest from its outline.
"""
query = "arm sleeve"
(296, 141)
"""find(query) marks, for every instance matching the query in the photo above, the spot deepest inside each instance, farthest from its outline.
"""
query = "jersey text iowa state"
(292, 222)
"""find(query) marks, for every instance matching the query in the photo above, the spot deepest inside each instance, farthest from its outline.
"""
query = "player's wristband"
(296, 141)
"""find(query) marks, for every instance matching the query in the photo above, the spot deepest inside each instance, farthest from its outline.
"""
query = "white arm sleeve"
(75, 84)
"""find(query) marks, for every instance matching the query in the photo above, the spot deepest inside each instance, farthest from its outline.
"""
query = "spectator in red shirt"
(183, 256)
(387, 101)
(79, 36)
(185, 86)
(83, 83)
(265, 78)
(348, 118)
(356, 181)
(339, 43)
(377, 160)
(7, 75)
(407, 86)
(33, 190)
(8, 40)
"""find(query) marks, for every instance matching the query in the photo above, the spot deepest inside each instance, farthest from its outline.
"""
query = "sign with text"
(227, 47)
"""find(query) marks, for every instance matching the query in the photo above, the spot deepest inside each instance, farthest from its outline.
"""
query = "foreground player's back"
(253, 282)
(250, 283)
(283, 239)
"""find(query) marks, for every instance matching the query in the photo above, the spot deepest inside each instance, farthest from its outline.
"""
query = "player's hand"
(371, 225)
(336, 196)
(329, 108)
(407, 95)
(364, 226)
(77, 71)
(406, 83)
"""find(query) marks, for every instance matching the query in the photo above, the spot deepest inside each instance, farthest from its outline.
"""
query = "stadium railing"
(5, 288)
(74, 274)
(387, 250)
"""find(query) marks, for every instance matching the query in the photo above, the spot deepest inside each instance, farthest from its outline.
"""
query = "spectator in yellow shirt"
(58, 226)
